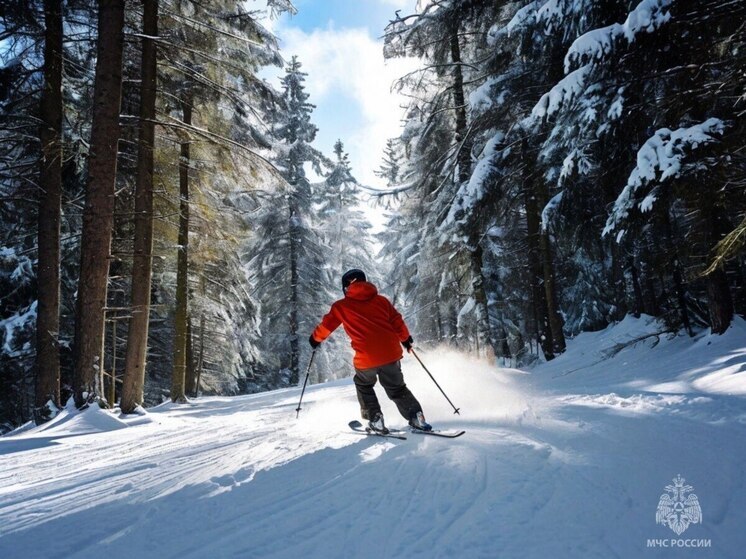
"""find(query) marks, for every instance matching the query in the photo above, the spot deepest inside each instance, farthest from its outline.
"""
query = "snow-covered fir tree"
(390, 169)
(558, 97)
(437, 141)
(346, 228)
(289, 259)
(348, 244)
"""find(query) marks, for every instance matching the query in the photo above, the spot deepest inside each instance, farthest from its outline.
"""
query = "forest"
(168, 228)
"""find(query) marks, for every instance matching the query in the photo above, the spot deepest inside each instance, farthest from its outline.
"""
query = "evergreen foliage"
(605, 168)
(562, 163)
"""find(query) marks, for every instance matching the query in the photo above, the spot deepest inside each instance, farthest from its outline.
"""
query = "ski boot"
(377, 425)
(418, 422)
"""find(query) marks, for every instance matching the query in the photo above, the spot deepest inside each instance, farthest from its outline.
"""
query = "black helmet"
(352, 276)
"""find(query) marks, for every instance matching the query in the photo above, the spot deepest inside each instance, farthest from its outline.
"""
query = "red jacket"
(375, 327)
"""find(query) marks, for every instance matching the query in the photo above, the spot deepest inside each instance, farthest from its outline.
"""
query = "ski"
(437, 433)
(395, 434)
(356, 426)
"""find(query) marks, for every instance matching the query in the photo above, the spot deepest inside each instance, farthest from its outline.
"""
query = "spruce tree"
(289, 257)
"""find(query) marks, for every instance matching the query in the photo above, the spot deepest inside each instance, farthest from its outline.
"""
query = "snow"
(659, 159)
(568, 166)
(617, 106)
(523, 16)
(468, 307)
(472, 192)
(647, 16)
(566, 460)
(549, 210)
(483, 98)
(567, 89)
(591, 47)
(13, 323)
(550, 11)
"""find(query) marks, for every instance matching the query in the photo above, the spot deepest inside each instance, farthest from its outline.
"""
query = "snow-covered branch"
(661, 158)
(594, 45)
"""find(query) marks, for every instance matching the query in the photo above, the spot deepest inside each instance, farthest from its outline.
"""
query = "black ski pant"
(392, 381)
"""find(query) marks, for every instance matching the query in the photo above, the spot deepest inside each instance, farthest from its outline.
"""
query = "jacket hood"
(361, 291)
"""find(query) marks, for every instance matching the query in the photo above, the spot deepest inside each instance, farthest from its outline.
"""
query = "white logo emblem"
(676, 509)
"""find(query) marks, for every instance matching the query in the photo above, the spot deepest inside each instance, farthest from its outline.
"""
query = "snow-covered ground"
(568, 460)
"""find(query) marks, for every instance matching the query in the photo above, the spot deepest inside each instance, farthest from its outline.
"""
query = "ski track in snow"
(567, 461)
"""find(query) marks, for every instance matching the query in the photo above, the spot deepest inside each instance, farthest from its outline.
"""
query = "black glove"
(313, 342)
(408, 343)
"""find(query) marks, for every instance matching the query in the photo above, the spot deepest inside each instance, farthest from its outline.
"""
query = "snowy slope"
(567, 460)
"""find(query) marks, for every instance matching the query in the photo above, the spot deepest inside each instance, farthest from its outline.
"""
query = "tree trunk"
(464, 174)
(459, 100)
(98, 215)
(719, 300)
(142, 265)
(439, 327)
(681, 296)
(556, 323)
(50, 184)
(200, 360)
(457, 334)
(535, 267)
(502, 347)
(649, 297)
(178, 380)
(636, 289)
(618, 280)
(112, 392)
(294, 346)
(480, 297)
(454, 307)
(678, 280)
(191, 371)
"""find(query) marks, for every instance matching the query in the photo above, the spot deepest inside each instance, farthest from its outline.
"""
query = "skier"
(375, 329)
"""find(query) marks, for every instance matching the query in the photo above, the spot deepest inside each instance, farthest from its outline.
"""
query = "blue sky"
(371, 14)
(338, 43)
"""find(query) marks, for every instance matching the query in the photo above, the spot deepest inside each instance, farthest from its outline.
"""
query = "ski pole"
(308, 371)
(455, 409)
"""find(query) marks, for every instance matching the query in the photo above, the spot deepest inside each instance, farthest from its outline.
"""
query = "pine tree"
(209, 54)
(98, 218)
(142, 266)
(20, 157)
(289, 258)
(50, 207)
(559, 107)
(345, 228)
(390, 168)
(440, 140)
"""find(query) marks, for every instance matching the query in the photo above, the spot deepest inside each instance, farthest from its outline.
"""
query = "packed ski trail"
(567, 460)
